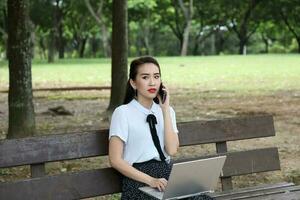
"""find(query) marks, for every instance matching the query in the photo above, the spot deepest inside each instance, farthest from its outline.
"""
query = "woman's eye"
(144, 77)
(157, 77)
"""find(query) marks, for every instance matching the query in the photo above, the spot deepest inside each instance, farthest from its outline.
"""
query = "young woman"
(134, 150)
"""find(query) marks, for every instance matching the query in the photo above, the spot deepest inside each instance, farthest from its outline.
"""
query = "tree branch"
(95, 15)
(285, 19)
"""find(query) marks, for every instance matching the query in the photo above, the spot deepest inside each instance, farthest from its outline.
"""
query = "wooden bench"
(37, 151)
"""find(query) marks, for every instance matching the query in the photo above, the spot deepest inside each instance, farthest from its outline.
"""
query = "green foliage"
(156, 27)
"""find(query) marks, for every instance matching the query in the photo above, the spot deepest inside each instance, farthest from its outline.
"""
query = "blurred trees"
(3, 28)
(242, 18)
(67, 28)
(289, 12)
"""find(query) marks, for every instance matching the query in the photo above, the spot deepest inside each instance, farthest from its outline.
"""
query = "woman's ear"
(132, 83)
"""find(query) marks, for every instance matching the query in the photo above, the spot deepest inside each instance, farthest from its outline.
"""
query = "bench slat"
(258, 191)
(231, 129)
(282, 196)
(279, 193)
(64, 186)
(240, 191)
(251, 161)
(247, 162)
(49, 148)
(105, 181)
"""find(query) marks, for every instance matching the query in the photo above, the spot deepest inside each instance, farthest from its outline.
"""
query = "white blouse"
(128, 122)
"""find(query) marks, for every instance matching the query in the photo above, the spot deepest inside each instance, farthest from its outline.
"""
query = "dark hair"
(134, 65)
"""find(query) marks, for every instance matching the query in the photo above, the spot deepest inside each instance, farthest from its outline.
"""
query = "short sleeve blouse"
(128, 122)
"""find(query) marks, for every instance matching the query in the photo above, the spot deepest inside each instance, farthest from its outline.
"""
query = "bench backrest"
(37, 151)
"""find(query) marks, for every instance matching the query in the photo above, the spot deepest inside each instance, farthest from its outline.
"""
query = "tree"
(207, 24)
(44, 18)
(3, 26)
(79, 24)
(21, 109)
(58, 27)
(242, 20)
(119, 54)
(267, 31)
(143, 26)
(178, 16)
(289, 13)
(188, 16)
(100, 19)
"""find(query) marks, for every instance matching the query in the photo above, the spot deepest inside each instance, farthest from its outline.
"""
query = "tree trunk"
(220, 42)
(243, 39)
(298, 41)
(266, 42)
(105, 41)
(94, 46)
(58, 24)
(20, 98)
(51, 47)
(82, 47)
(4, 31)
(212, 44)
(61, 43)
(184, 47)
(188, 15)
(242, 47)
(119, 54)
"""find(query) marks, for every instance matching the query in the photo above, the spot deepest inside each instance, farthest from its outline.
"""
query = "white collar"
(141, 108)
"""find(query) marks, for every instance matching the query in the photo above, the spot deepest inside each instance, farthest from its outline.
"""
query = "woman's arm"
(116, 146)
(171, 138)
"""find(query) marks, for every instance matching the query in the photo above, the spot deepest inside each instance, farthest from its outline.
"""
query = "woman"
(134, 150)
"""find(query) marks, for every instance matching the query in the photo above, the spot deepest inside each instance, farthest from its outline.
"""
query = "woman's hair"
(134, 65)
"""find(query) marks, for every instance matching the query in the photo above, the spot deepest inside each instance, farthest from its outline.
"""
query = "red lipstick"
(152, 90)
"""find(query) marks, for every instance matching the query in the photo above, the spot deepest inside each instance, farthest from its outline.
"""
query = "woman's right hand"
(159, 183)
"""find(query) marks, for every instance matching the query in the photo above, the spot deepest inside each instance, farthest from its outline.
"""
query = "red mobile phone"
(162, 93)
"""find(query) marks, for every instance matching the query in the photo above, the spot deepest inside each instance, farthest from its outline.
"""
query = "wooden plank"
(260, 190)
(65, 186)
(37, 170)
(49, 148)
(257, 188)
(42, 149)
(246, 162)
(288, 193)
(251, 161)
(282, 196)
(105, 181)
(202, 132)
(226, 182)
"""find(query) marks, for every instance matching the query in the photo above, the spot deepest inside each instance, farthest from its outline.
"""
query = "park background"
(219, 58)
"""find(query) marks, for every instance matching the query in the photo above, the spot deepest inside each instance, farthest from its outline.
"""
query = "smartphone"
(162, 93)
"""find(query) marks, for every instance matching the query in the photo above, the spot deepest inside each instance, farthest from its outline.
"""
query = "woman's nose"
(152, 81)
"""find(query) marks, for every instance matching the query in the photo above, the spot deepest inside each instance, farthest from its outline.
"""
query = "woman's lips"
(152, 90)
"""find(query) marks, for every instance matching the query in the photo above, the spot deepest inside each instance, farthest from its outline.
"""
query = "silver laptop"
(190, 179)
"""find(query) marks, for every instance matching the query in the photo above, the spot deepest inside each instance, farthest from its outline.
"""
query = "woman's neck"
(147, 103)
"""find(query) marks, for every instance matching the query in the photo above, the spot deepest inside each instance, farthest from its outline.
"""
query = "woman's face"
(147, 81)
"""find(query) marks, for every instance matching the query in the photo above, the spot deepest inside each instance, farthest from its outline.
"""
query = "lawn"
(229, 73)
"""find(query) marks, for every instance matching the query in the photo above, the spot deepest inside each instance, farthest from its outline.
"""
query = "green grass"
(228, 73)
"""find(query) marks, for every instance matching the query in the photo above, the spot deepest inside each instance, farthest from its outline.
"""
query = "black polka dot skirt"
(156, 169)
